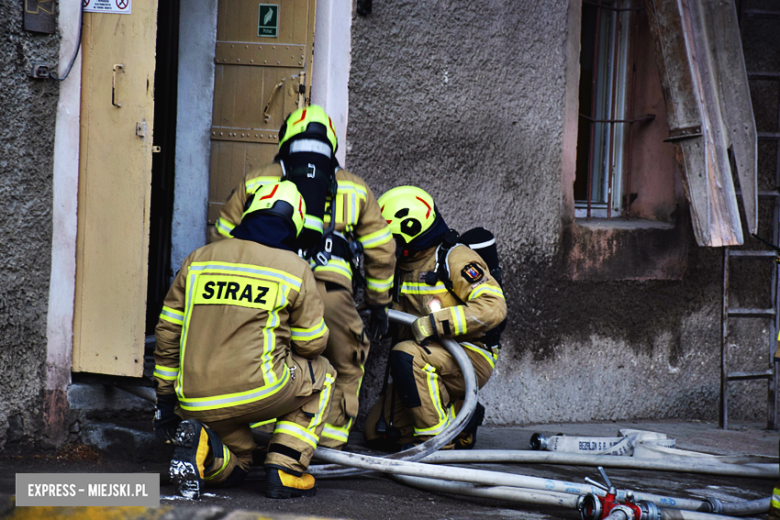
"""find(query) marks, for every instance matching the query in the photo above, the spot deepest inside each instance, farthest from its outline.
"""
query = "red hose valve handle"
(595, 507)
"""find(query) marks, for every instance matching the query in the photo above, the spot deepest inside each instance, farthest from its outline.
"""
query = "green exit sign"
(268, 21)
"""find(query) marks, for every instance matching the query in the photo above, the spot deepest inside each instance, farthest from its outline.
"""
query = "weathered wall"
(468, 101)
(197, 40)
(26, 151)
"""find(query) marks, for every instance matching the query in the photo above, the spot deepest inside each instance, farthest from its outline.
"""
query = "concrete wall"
(473, 102)
(27, 124)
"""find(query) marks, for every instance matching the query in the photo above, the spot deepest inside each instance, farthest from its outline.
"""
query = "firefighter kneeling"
(450, 287)
(239, 342)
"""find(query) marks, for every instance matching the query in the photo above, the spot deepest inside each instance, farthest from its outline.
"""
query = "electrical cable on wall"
(75, 54)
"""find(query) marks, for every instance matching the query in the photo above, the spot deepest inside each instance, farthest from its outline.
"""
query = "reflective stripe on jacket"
(485, 306)
(357, 212)
(235, 310)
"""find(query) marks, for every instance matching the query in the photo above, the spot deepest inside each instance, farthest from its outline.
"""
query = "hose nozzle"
(538, 442)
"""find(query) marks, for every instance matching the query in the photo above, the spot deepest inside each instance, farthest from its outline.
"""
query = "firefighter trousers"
(427, 391)
(300, 408)
(347, 351)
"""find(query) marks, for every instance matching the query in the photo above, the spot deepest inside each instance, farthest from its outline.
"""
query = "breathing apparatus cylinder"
(309, 166)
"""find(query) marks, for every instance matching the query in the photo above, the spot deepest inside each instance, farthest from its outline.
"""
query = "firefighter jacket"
(234, 313)
(357, 214)
(482, 306)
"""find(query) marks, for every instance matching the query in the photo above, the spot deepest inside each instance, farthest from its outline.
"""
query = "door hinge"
(140, 129)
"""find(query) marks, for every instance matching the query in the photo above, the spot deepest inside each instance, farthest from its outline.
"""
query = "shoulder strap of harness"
(442, 269)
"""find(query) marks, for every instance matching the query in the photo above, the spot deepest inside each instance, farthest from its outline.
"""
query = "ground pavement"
(377, 497)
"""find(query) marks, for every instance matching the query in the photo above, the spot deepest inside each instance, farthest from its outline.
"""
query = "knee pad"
(402, 369)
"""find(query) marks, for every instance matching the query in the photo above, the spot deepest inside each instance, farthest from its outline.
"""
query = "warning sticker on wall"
(108, 6)
(268, 21)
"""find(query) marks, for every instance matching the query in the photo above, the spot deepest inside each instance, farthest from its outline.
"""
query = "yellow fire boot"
(284, 483)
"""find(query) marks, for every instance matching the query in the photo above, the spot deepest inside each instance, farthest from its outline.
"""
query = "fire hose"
(596, 502)
(429, 446)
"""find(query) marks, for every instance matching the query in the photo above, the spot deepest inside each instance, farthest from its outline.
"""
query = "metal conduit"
(427, 447)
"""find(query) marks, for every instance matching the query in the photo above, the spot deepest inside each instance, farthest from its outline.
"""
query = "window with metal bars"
(605, 98)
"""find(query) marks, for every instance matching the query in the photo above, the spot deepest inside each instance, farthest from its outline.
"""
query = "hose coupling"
(621, 512)
(538, 442)
(648, 510)
(589, 507)
(716, 506)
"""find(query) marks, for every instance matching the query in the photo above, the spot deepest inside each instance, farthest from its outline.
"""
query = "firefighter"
(239, 341)
(450, 288)
(307, 147)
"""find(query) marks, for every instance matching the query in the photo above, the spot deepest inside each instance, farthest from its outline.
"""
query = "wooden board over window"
(115, 173)
(256, 85)
(699, 55)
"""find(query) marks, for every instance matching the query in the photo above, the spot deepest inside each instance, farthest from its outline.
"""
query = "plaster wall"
(473, 103)
(197, 41)
(27, 126)
(330, 74)
(62, 288)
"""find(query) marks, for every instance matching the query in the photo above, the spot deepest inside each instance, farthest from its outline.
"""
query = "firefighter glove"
(422, 330)
(165, 421)
(377, 321)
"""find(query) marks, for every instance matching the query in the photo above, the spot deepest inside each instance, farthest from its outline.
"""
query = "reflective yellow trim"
(775, 503)
(482, 289)
(269, 344)
(172, 315)
(239, 291)
(312, 222)
(262, 423)
(378, 284)
(224, 227)
(325, 395)
(439, 427)
(297, 431)
(335, 265)
(422, 288)
(225, 460)
(376, 239)
(338, 433)
(458, 320)
(248, 270)
(490, 358)
(271, 382)
(433, 389)
(352, 187)
(253, 184)
(227, 400)
(301, 334)
(168, 374)
(349, 206)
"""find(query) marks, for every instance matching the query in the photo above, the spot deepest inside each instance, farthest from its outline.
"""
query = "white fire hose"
(436, 442)
(528, 489)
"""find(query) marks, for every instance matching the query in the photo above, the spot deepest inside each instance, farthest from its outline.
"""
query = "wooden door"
(261, 51)
(117, 109)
